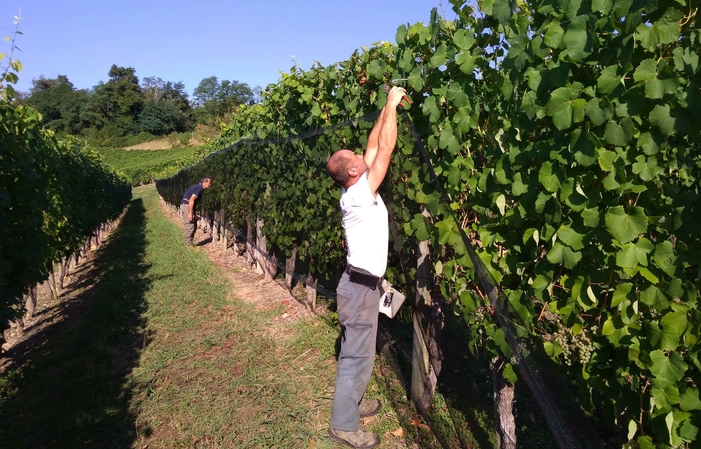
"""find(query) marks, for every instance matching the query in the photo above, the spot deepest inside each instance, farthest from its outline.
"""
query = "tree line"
(126, 106)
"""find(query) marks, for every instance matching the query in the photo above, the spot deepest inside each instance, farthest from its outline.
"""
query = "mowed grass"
(161, 353)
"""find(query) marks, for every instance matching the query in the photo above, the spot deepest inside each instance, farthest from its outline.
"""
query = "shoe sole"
(348, 443)
(373, 413)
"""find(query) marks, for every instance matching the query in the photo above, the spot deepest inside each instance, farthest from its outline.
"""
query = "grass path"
(159, 347)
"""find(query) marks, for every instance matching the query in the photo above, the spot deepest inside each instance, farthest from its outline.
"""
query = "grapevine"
(566, 136)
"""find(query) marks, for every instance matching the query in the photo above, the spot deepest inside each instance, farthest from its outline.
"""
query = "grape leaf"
(626, 226)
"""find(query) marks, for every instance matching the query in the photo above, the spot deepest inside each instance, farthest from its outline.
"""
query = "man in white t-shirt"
(365, 226)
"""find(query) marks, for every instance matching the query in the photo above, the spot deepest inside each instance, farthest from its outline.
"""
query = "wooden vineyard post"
(260, 248)
(420, 363)
(311, 292)
(250, 238)
(63, 265)
(215, 225)
(425, 364)
(266, 263)
(31, 301)
(503, 404)
(224, 232)
(52, 282)
(290, 268)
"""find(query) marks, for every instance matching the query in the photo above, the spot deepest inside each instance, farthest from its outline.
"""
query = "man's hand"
(191, 217)
(406, 100)
(395, 95)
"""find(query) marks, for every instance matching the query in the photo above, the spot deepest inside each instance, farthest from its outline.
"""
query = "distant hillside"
(161, 144)
(147, 165)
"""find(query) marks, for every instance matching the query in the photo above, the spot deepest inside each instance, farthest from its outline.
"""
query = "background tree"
(166, 108)
(206, 90)
(213, 98)
(234, 93)
(59, 103)
(123, 106)
(126, 91)
(96, 112)
(121, 99)
(175, 94)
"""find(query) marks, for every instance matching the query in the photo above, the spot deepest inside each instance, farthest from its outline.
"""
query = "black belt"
(184, 202)
(362, 277)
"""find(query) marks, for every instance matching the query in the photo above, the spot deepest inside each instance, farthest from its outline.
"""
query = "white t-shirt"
(366, 227)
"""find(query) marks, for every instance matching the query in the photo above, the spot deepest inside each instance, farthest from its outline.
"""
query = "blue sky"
(248, 41)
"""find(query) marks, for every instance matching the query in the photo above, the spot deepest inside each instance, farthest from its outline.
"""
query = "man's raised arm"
(384, 140)
(373, 143)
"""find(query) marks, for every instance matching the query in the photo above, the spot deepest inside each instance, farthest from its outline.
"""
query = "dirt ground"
(248, 284)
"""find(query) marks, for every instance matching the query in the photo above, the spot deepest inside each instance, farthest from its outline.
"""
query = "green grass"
(144, 166)
(158, 351)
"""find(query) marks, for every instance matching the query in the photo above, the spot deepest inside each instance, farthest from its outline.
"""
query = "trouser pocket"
(357, 340)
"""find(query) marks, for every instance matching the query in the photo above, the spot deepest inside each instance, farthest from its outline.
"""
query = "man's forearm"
(371, 149)
(387, 137)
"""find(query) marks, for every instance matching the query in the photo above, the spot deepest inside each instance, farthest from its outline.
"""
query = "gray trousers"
(190, 226)
(358, 312)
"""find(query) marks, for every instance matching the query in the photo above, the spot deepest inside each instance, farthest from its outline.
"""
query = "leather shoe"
(369, 407)
(360, 439)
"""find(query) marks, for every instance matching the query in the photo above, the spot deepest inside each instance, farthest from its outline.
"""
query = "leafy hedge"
(53, 195)
(566, 136)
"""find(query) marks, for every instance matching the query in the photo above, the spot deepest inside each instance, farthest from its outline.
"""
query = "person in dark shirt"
(188, 204)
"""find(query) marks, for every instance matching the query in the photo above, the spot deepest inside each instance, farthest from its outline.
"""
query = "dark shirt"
(196, 189)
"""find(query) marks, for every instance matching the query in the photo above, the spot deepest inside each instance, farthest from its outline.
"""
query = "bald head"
(339, 165)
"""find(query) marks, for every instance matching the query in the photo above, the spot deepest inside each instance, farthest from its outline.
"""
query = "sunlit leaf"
(553, 36)
(415, 80)
(438, 58)
(616, 134)
(667, 368)
(648, 144)
(564, 107)
(591, 217)
(634, 254)
(690, 400)
(662, 119)
(646, 167)
(664, 258)
(577, 40)
(464, 39)
(663, 31)
(609, 80)
(548, 179)
(624, 225)
(561, 254)
(571, 237)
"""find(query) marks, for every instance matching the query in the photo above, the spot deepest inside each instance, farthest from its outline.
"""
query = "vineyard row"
(566, 136)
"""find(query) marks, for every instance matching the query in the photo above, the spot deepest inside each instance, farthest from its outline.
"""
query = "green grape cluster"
(479, 316)
(576, 348)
